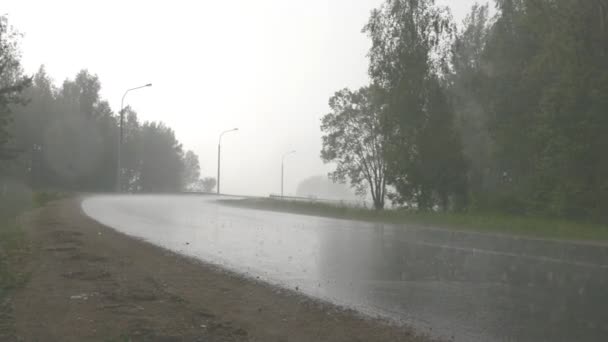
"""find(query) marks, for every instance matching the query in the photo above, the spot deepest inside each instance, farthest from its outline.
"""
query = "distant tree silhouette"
(192, 169)
(208, 184)
(69, 136)
(323, 187)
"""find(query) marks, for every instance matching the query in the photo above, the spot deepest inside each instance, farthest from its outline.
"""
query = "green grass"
(488, 223)
(13, 244)
(13, 247)
(13, 253)
(41, 198)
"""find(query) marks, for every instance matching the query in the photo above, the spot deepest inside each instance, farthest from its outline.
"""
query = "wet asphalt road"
(454, 285)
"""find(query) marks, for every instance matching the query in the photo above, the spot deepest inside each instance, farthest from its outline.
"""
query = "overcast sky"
(267, 67)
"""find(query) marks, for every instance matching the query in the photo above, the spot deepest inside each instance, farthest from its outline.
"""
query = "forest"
(504, 113)
(66, 136)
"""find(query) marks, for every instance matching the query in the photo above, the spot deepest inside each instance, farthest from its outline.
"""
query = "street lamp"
(219, 151)
(118, 166)
(282, 169)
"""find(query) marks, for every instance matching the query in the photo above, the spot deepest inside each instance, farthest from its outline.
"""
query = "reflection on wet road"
(471, 287)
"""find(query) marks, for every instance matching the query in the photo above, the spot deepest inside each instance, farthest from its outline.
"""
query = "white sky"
(265, 66)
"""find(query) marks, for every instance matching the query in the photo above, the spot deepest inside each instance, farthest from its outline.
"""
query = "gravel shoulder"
(88, 282)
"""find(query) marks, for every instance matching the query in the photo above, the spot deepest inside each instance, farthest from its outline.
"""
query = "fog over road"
(468, 286)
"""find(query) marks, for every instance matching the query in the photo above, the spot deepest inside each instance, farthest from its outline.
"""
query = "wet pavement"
(454, 285)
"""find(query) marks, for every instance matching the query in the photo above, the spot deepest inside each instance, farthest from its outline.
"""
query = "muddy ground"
(90, 283)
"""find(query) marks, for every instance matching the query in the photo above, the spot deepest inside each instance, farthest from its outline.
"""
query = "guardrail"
(312, 199)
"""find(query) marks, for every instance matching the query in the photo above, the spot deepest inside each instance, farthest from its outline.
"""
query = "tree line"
(505, 113)
(66, 136)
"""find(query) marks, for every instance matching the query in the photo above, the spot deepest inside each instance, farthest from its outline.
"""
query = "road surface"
(453, 285)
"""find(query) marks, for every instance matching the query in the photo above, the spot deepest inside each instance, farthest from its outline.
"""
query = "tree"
(552, 57)
(409, 62)
(67, 136)
(75, 150)
(28, 130)
(131, 154)
(161, 159)
(207, 184)
(354, 139)
(322, 187)
(466, 81)
(12, 82)
(529, 91)
(192, 169)
(70, 137)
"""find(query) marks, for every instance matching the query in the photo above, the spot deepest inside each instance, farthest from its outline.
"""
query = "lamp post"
(283, 168)
(219, 152)
(120, 139)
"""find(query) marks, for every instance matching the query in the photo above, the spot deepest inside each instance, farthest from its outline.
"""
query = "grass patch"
(121, 338)
(15, 198)
(13, 253)
(13, 246)
(41, 198)
(13, 250)
(479, 222)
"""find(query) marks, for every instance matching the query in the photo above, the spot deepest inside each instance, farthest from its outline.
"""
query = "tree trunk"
(378, 204)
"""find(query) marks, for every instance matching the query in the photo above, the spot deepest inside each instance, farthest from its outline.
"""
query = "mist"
(267, 67)
(391, 170)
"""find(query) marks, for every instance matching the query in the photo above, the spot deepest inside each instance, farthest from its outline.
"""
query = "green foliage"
(14, 199)
(66, 137)
(408, 64)
(69, 138)
(531, 86)
(508, 115)
(162, 167)
(153, 159)
(470, 117)
(12, 82)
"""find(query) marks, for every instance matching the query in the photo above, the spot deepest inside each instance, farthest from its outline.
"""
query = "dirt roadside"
(90, 283)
